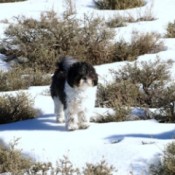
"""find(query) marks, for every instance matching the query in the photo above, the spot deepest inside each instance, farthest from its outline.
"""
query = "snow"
(129, 146)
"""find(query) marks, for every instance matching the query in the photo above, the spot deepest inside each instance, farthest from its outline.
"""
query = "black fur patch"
(57, 86)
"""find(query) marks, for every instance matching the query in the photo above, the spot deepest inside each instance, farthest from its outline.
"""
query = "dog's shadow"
(45, 122)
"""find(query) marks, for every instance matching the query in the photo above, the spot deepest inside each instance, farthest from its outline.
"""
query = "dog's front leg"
(71, 120)
(83, 120)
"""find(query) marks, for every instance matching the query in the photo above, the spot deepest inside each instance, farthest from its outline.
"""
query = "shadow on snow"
(162, 136)
(44, 122)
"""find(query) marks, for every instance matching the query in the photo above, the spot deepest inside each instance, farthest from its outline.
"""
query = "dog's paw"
(60, 119)
(72, 127)
(84, 125)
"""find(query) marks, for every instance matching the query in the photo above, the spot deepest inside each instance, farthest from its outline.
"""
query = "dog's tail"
(65, 62)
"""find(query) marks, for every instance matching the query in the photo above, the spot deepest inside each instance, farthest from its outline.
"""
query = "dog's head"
(82, 75)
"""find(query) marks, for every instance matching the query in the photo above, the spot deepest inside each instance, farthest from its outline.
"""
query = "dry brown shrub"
(120, 96)
(166, 166)
(118, 4)
(12, 80)
(43, 41)
(170, 30)
(151, 77)
(6, 1)
(102, 168)
(70, 7)
(122, 20)
(140, 44)
(16, 107)
(18, 78)
(144, 85)
(65, 167)
(12, 160)
(117, 21)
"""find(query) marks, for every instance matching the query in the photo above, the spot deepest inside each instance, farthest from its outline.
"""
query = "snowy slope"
(129, 146)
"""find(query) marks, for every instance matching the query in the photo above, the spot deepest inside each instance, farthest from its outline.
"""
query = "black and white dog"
(73, 90)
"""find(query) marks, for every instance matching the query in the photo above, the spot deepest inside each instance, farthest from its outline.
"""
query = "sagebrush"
(16, 107)
(6, 1)
(144, 84)
(118, 4)
(140, 44)
(170, 30)
(19, 78)
(13, 161)
(43, 41)
(166, 166)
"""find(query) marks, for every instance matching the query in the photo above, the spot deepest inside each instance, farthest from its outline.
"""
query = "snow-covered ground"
(129, 146)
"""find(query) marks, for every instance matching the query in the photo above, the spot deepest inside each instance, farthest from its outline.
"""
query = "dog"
(73, 90)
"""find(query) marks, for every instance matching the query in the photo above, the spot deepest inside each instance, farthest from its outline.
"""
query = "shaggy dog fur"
(73, 90)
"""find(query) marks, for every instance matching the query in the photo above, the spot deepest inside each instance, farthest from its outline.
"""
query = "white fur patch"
(80, 103)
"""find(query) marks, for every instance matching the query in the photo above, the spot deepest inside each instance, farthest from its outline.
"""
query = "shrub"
(117, 21)
(12, 160)
(65, 167)
(39, 168)
(149, 76)
(146, 15)
(6, 1)
(18, 78)
(70, 7)
(140, 44)
(16, 108)
(107, 96)
(121, 21)
(35, 77)
(11, 81)
(170, 30)
(119, 96)
(167, 165)
(43, 41)
(145, 85)
(101, 168)
(118, 4)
